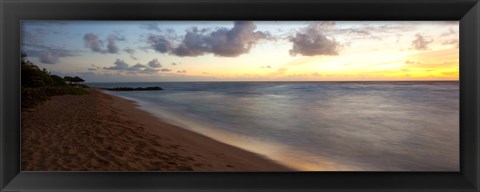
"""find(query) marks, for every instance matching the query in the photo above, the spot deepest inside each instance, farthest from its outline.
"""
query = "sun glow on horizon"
(245, 51)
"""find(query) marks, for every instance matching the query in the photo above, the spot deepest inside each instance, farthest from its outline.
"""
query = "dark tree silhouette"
(77, 80)
(58, 81)
(68, 79)
(39, 84)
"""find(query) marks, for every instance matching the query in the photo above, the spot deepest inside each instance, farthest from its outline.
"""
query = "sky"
(150, 51)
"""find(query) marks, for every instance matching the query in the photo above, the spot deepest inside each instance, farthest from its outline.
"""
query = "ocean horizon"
(318, 125)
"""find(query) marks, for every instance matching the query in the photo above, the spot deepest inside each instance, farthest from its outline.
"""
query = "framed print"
(239, 95)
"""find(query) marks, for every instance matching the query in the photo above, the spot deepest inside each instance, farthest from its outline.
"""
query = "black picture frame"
(14, 11)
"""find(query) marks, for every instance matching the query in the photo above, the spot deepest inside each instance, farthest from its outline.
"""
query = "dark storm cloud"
(221, 42)
(420, 43)
(311, 41)
(154, 63)
(96, 45)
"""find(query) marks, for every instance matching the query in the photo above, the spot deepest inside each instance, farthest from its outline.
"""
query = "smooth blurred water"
(371, 126)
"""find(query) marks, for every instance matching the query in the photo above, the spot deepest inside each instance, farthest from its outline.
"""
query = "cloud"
(30, 38)
(368, 30)
(95, 44)
(118, 65)
(122, 66)
(159, 43)
(451, 42)
(362, 32)
(165, 70)
(151, 26)
(149, 70)
(266, 67)
(420, 43)
(49, 55)
(129, 50)
(136, 67)
(92, 42)
(33, 47)
(448, 33)
(311, 41)
(154, 63)
(182, 71)
(221, 42)
(410, 62)
(112, 45)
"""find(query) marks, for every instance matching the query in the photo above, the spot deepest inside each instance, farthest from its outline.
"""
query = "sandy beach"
(100, 132)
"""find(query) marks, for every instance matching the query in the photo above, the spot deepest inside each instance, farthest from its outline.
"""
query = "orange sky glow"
(245, 51)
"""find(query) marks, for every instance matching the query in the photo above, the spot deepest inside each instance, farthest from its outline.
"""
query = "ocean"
(319, 126)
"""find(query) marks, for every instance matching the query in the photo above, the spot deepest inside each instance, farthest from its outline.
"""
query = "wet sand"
(100, 132)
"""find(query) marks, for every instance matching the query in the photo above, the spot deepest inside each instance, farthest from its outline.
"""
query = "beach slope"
(100, 132)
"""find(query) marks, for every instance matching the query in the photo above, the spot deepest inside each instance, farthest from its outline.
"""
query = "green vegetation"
(38, 85)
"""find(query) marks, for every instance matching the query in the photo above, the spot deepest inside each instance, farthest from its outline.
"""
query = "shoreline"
(102, 132)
